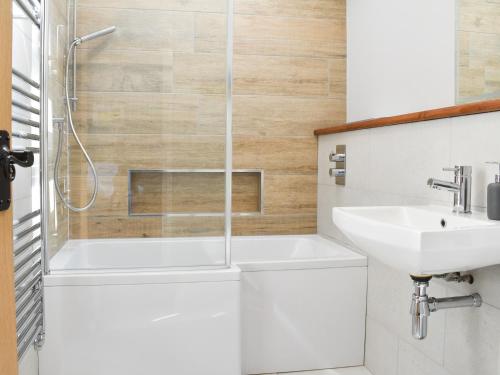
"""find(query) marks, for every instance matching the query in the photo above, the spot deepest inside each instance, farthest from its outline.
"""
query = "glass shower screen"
(151, 109)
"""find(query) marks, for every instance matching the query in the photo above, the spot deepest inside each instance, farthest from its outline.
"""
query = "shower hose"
(64, 199)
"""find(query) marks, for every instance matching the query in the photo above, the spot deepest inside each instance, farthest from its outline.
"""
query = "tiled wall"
(478, 32)
(186, 192)
(289, 78)
(58, 34)
(152, 95)
(390, 166)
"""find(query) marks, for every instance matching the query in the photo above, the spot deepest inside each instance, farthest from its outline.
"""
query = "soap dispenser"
(493, 196)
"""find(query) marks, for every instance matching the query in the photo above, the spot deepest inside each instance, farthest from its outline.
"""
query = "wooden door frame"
(8, 337)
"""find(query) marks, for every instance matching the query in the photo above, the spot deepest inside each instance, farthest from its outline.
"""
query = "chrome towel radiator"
(26, 124)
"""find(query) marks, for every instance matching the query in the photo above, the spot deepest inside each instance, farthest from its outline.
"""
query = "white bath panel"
(181, 328)
(297, 320)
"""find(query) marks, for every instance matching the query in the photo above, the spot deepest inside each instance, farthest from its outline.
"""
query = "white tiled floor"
(342, 371)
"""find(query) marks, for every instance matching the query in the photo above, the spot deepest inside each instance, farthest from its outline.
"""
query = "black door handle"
(8, 160)
(24, 159)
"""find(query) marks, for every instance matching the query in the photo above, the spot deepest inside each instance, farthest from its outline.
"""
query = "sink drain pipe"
(422, 305)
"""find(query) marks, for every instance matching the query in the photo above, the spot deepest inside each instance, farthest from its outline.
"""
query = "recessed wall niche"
(193, 192)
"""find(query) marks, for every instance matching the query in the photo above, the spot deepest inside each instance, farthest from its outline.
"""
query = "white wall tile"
(413, 362)
(351, 371)
(339, 371)
(473, 341)
(487, 282)
(475, 140)
(404, 157)
(381, 349)
(358, 157)
(327, 195)
(389, 297)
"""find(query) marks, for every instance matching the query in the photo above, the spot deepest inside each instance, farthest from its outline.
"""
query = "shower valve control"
(8, 161)
(339, 158)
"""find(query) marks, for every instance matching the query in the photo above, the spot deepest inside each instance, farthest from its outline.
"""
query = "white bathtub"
(112, 306)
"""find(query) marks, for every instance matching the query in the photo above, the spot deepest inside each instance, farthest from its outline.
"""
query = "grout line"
(163, 10)
(218, 135)
(217, 52)
(397, 354)
(393, 331)
(256, 95)
(340, 16)
(443, 353)
(366, 305)
(221, 95)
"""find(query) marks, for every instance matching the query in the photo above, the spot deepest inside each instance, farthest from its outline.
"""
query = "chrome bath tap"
(461, 187)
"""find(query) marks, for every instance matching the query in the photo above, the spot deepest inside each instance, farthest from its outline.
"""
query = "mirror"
(477, 50)
(409, 56)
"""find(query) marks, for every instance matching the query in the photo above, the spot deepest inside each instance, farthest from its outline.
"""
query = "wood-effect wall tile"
(290, 194)
(218, 6)
(117, 70)
(274, 225)
(156, 193)
(285, 36)
(210, 33)
(114, 155)
(193, 227)
(200, 73)
(114, 227)
(138, 29)
(152, 96)
(293, 8)
(276, 154)
(277, 75)
(150, 113)
(272, 116)
(337, 78)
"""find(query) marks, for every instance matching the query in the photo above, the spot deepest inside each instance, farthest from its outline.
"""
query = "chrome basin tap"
(461, 187)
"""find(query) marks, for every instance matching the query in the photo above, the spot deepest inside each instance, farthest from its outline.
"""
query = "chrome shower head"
(94, 35)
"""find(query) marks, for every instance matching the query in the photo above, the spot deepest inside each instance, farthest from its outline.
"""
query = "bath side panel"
(186, 328)
(295, 320)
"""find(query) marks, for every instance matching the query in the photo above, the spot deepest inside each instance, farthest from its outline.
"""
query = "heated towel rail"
(27, 226)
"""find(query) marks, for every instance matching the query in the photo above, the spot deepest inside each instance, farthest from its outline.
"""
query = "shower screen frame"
(44, 129)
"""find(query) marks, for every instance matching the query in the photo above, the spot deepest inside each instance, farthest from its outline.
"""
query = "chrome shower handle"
(335, 172)
(337, 157)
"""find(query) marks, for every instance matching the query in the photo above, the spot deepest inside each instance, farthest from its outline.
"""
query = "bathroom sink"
(422, 240)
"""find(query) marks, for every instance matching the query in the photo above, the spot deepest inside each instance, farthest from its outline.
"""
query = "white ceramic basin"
(422, 239)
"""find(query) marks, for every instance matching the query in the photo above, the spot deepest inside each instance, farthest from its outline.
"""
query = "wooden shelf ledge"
(432, 114)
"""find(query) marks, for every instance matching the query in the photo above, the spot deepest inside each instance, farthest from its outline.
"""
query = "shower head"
(94, 35)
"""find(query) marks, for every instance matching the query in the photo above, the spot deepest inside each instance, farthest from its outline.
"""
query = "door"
(8, 339)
